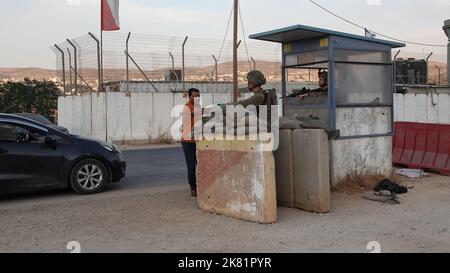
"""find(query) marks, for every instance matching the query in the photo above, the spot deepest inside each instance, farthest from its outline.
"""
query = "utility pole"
(235, 50)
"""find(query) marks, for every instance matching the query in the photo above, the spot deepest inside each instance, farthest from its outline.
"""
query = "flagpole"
(101, 45)
(101, 58)
(101, 69)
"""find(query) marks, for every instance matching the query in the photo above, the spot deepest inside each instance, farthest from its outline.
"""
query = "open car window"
(20, 134)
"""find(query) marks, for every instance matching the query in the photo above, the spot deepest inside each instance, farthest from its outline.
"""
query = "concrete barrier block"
(237, 179)
(284, 170)
(311, 164)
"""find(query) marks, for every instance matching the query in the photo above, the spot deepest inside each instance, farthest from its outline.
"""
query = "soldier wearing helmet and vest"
(261, 97)
(256, 80)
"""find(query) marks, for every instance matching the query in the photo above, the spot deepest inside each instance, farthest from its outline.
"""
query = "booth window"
(305, 58)
(361, 56)
(302, 77)
(363, 78)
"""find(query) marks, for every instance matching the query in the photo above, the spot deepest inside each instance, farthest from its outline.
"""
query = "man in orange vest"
(188, 141)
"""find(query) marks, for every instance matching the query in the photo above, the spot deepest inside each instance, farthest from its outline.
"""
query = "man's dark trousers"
(190, 154)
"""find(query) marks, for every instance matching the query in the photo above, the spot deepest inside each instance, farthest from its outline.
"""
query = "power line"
(226, 34)
(245, 37)
(374, 32)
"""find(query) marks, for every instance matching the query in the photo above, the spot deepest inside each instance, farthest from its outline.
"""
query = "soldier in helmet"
(322, 90)
(256, 80)
(261, 97)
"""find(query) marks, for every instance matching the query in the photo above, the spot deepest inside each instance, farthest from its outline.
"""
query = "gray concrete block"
(284, 170)
(312, 190)
(237, 179)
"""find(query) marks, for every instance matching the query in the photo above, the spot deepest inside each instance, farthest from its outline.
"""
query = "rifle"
(298, 92)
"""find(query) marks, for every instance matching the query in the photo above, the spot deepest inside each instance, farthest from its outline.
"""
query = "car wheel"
(89, 176)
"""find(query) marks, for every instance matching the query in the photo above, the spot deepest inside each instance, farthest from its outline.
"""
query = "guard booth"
(357, 110)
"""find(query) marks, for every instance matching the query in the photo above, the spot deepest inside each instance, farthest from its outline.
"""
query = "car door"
(27, 161)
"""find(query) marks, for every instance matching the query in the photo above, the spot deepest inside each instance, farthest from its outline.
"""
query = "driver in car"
(25, 136)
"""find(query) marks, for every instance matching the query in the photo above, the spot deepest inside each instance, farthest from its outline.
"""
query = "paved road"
(151, 211)
(154, 167)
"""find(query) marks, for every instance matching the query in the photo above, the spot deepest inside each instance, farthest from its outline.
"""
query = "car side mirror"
(50, 142)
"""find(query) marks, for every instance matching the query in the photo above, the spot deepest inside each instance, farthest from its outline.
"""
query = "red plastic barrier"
(422, 146)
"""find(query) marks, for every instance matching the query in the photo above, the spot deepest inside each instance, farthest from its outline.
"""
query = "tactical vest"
(270, 98)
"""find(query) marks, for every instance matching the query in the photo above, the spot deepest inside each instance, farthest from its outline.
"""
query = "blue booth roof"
(301, 32)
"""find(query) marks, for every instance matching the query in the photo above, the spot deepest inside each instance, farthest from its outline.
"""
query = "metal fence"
(152, 57)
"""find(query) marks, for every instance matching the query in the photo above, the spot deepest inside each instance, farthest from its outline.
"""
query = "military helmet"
(256, 77)
(323, 74)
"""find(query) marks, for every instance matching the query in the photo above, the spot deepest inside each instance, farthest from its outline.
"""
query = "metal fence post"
(70, 68)
(75, 64)
(183, 67)
(173, 60)
(395, 71)
(427, 72)
(128, 71)
(100, 84)
(216, 70)
(63, 68)
(439, 75)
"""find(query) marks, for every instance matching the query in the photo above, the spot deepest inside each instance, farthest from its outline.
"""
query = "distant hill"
(31, 72)
(225, 70)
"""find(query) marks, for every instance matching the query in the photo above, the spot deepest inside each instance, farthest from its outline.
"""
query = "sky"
(29, 27)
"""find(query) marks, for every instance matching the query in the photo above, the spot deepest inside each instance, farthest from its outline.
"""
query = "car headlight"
(110, 147)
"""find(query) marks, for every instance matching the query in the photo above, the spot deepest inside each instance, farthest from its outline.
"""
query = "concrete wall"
(143, 117)
(140, 117)
(426, 108)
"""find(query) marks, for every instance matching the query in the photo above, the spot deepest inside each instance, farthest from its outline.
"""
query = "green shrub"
(29, 96)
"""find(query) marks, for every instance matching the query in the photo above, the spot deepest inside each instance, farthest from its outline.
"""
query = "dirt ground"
(166, 219)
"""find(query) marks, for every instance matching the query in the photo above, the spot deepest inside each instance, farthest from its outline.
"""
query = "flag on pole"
(110, 15)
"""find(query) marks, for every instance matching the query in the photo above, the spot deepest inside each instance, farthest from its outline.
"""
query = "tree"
(29, 96)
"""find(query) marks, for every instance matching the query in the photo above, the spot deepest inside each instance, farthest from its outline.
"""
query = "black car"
(41, 119)
(36, 156)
